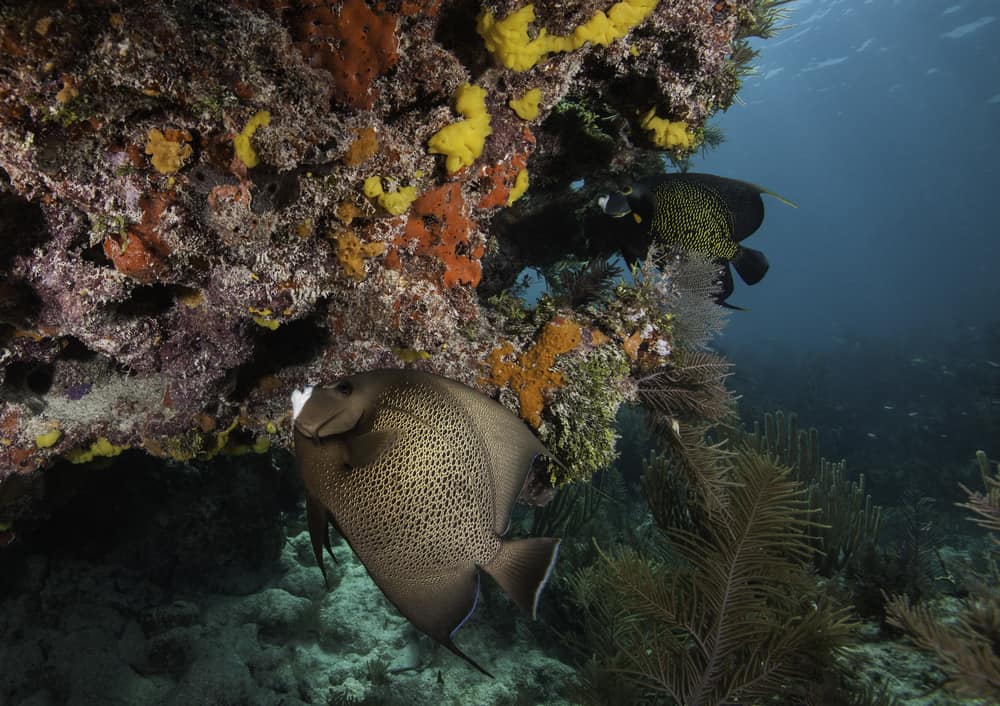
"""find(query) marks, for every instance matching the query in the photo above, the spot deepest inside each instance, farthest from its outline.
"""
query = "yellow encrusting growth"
(667, 134)
(526, 106)
(510, 42)
(48, 439)
(102, 448)
(410, 355)
(395, 202)
(463, 142)
(520, 186)
(241, 143)
(263, 317)
(168, 151)
(352, 253)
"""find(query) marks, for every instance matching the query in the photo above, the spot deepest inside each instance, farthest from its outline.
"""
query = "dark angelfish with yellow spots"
(419, 474)
(700, 212)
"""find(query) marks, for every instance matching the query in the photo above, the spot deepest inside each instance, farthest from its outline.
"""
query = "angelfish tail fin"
(522, 568)
(751, 265)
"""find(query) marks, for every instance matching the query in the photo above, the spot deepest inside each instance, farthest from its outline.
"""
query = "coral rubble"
(189, 219)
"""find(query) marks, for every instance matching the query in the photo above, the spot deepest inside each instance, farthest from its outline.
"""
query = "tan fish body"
(419, 473)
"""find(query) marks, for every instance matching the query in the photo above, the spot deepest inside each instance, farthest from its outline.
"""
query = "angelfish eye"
(344, 388)
(627, 190)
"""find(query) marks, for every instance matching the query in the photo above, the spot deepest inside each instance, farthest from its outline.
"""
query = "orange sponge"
(531, 375)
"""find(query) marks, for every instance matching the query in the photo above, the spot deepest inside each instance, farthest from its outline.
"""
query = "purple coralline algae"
(206, 205)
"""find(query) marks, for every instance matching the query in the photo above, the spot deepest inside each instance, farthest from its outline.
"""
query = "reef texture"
(206, 205)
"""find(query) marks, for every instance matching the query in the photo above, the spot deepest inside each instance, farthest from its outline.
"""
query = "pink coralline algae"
(172, 305)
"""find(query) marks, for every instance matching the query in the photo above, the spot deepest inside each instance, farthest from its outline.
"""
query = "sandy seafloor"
(83, 633)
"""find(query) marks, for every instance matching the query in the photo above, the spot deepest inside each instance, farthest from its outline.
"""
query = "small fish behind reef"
(419, 474)
(700, 212)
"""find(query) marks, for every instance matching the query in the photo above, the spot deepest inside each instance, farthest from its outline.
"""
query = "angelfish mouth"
(299, 399)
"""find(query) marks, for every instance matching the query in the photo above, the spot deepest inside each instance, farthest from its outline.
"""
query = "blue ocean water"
(879, 119)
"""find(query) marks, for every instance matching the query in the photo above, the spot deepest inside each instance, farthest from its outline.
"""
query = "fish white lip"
(602, 202)
(299, 399)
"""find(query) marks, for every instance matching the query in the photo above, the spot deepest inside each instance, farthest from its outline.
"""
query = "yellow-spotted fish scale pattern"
(693, 216)
(426, 505)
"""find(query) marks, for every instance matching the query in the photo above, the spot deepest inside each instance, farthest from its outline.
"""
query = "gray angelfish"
(419, 474)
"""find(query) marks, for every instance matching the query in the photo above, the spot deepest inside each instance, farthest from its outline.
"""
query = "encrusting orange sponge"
(531, 375)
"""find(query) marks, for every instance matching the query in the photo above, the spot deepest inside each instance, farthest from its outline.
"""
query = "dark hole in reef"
(453, 34)
(13, 379)
(75, 349)
(95, 254)
(25, 379)
(39, 378)
(161, 520)
(149, 300)
(19, 304)
(22, 227)
(293, 343)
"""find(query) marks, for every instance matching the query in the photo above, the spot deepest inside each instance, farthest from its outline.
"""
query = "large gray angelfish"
(419, 474)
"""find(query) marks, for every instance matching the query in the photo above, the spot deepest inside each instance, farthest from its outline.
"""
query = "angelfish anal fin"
(365, 449)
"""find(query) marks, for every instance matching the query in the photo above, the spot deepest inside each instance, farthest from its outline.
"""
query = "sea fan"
(685, 286)
(966, 646)
(740, 621)
(692, 384)
(985, 506)
(702, 465)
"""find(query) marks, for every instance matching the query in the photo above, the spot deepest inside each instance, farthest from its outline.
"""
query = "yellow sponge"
(667, 134)
(244, 150)
(510, 42)
(520, 186)
(463, 142)
(395, 202)
(526, 106)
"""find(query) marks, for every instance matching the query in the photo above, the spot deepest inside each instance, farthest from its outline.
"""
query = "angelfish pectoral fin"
(365, 449)
(522, 568)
